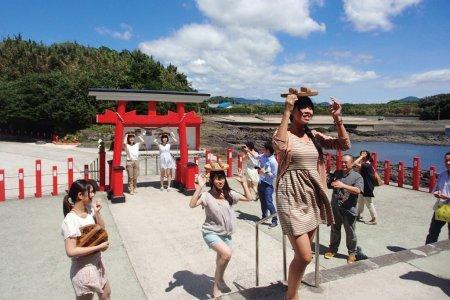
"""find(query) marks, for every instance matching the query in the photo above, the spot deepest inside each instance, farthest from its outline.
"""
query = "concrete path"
(34, 264)
(163, 239)
(156, 243)
(420, 273)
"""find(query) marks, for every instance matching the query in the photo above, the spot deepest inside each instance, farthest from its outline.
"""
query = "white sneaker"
(161, 188)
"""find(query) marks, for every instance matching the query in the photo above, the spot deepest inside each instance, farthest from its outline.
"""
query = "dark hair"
(268, 145)
(306, 102)
(250, 145)
(226, 188)
(368, 155)
(78, 186)
(448, 153)
(166, 136)
(128, 138)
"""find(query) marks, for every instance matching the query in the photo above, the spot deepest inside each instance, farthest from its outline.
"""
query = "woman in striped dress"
(302, 202)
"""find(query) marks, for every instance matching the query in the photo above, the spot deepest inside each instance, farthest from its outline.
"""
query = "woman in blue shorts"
(220, 221)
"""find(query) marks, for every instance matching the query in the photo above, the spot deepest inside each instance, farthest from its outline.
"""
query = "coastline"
(217, 135)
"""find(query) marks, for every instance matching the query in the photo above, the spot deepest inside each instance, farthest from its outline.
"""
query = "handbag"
(442, 212)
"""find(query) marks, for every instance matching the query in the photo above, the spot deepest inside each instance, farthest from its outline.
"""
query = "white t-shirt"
(72, 223)
(133, 151)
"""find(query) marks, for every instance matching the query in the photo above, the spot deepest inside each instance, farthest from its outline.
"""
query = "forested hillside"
(44, 88)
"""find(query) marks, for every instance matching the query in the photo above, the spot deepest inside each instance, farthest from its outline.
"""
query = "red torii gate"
(121, 119)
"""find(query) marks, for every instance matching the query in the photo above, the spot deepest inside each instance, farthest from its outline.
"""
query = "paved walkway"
(157, 251)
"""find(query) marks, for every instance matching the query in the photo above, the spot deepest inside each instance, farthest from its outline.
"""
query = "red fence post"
(387, 172)
(338, 159)
(401, 174)
(69, 171)
(2, 185)
(432, 180)
(239, 163)
(55, 181)
(21, 184)
(38, 169)
(207, 156)
(86, 172)
(416, 173)
(102, 168)
(230, 162)
(328, 165)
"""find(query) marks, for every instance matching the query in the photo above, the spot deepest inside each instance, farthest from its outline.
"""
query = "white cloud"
(370, 15)
(348, 56)
(213, 57)
(420, 79)
(236, 54)
(125, 35)
(290, 16)
(321, 74)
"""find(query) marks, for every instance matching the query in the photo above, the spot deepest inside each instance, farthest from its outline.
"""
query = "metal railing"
(316, 253)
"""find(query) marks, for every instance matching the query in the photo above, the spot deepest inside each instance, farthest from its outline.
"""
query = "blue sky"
(359, 51)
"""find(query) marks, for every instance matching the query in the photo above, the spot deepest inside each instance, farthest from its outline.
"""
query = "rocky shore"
(219, 136)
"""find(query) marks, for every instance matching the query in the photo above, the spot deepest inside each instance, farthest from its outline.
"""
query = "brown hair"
(164, 135)
(79, 186)
(301, 103)
(226, 188)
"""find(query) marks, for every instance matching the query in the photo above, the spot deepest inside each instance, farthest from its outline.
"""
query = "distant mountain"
(256, 101)
(406, 99)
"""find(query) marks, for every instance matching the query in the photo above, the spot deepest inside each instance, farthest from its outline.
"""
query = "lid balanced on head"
(216, 166)
(303, 92)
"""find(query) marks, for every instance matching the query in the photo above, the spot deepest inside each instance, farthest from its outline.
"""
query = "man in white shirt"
(442, 193)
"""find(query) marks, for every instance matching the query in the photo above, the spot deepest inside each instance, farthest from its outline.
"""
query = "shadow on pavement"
(395, 248)
(246, 217)
(273, 291)
(428, 279)
(197, 285)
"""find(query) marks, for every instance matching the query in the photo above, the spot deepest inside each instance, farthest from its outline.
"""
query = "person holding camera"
(268, 170)
(302, 202)
(347, 185)
(367, 173)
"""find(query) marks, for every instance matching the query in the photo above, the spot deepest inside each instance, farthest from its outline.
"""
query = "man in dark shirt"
(347, 185)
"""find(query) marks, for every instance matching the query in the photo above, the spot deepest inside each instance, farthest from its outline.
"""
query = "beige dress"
(299, 190)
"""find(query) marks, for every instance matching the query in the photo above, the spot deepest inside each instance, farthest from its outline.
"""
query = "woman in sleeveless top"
(302, 202)
(166, 160)
(87, 271)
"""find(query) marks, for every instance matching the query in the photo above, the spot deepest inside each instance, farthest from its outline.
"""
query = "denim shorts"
(212, 238)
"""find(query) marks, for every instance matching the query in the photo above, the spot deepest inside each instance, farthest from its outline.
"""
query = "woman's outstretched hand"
(241, 178)
(201, 180)
(335, 108)
(97, 206)
(290, 101)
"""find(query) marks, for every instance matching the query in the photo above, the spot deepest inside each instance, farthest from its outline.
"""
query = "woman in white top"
(87, 271)
(220, 219)
(251, 166)
(132, 150)
(166, 160)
